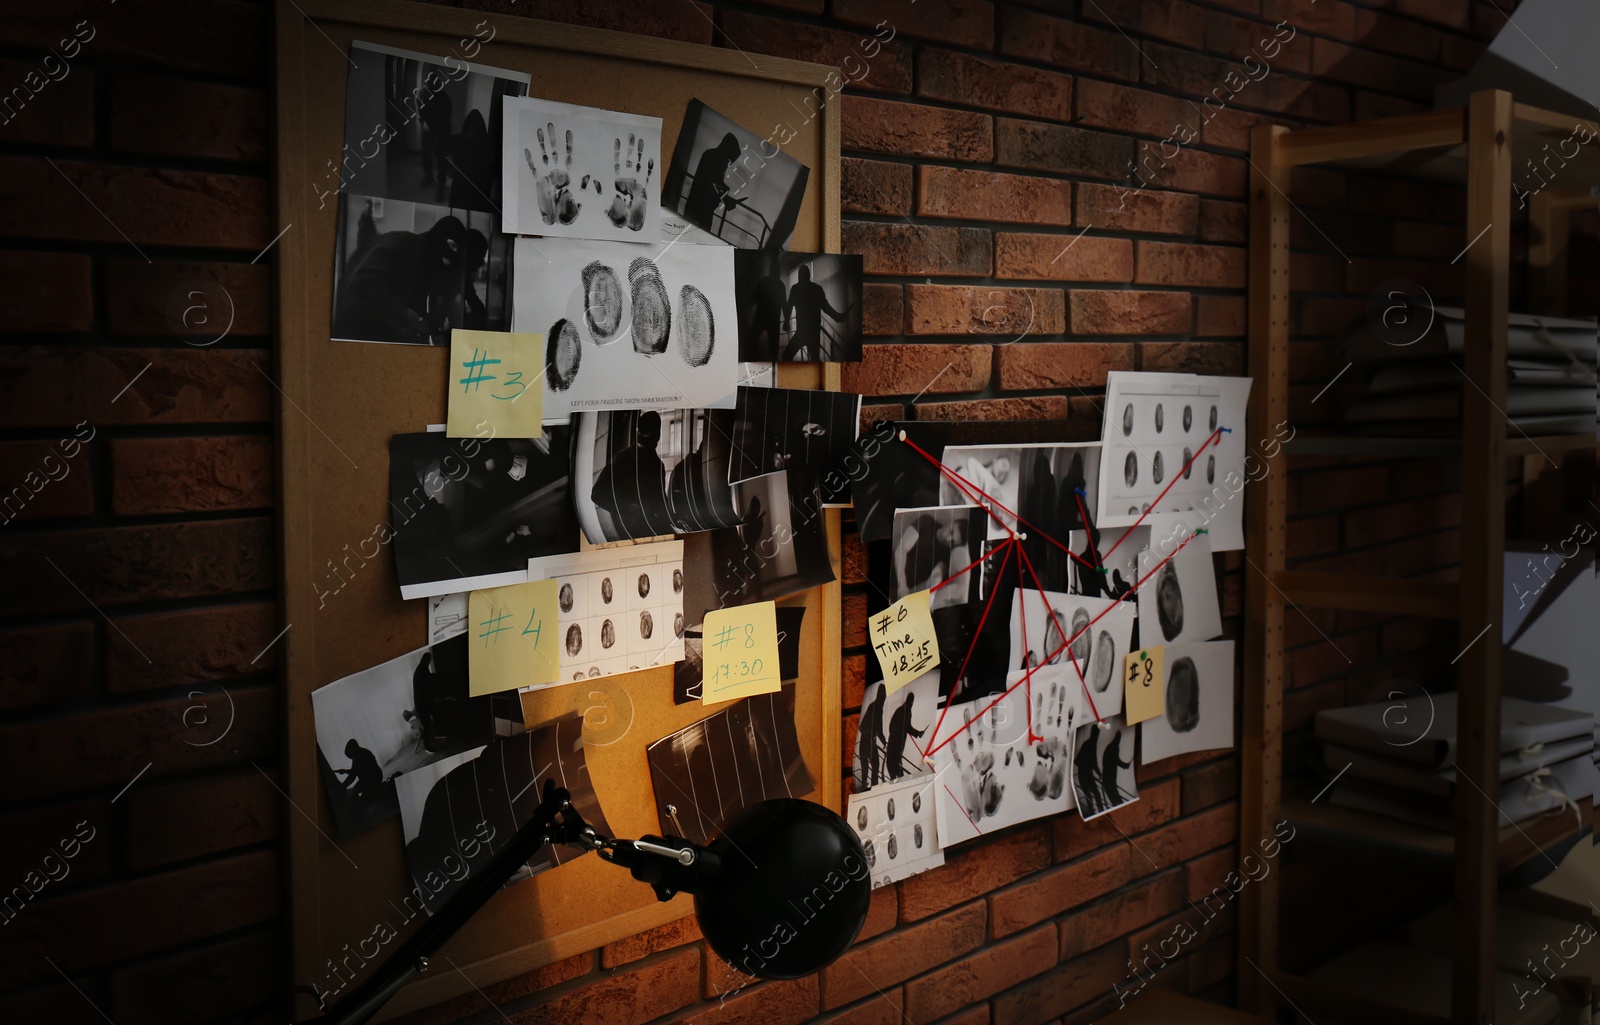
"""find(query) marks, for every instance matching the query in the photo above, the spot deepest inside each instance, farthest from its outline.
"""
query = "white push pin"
(1022, 537)
(902, 435)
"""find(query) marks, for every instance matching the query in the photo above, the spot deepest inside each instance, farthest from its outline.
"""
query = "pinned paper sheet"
(902, 637)
(494, 385)
(1144, 683)
(740, 647)
(511, 637)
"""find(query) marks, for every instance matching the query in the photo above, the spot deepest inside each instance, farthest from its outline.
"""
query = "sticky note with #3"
(495, 382)
(740, 646)
(1144, 683)
(511, 637)
(903, 639)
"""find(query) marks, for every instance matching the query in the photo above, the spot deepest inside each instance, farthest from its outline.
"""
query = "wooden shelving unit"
(1478, 146)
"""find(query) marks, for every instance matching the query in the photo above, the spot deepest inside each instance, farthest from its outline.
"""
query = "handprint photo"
(581, 172)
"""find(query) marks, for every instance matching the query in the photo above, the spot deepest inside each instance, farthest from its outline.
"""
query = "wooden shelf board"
(1431, 598)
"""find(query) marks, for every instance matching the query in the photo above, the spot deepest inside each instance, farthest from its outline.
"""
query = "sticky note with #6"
(494, 383)
(740, 646)
(511, 637)
(903, 639)
(1144, 683)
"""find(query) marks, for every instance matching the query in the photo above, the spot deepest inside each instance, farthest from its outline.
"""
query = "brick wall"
(986, 150)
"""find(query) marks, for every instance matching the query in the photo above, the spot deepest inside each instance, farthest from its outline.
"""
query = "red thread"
(961, 674)
(987, 555)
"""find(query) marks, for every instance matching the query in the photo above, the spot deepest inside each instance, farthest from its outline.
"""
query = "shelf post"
(1483, 496)
(1261, 776)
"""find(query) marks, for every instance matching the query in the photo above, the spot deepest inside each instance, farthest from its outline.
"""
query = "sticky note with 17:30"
(903, 639)
(740, 647)
(1144, 683)
(511, 637)
(493, 382)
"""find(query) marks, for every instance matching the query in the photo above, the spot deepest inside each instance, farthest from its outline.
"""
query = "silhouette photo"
(729, 181)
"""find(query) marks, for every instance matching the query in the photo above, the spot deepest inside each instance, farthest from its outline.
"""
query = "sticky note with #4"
(740, 646)
(903, 639)
(1144, 683)
(511, 637)
(494, 383)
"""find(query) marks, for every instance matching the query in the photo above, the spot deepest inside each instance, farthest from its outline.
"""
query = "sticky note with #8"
(494, 382)
(903, 639)
(740, 647)
(511, 637)
(1143, 686)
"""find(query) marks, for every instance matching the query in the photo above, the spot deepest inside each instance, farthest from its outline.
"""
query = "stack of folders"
(1414, 388)
(1400, 761)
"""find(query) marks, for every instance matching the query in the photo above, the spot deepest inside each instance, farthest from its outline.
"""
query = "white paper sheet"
(896, 824)
(581, 172)
(1178, 603)
(620, 609)
(1199, 698)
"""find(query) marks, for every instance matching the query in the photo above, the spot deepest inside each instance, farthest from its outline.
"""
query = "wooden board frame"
(338, 401)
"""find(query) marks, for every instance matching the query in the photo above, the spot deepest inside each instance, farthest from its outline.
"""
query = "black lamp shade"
(792, 893)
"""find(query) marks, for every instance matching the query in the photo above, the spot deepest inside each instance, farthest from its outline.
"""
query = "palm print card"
(580, 172)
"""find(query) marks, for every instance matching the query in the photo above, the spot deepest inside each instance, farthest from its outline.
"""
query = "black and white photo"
(647, 473)
(394, 718)
(729, 181)
(631, 325)
(418, 249)
(581, 172)
(811, 434)
(937, 547)
(1087, 637)
(1198, 698)
(708, 772)
(798, 307)
(619, 608)
(893, 730)
(898, 828)
(469, 513)
(1108, 561)
(778, 549)
(1179, 604)
(1102, 768)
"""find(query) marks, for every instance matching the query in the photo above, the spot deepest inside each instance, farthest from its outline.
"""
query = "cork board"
(341, 399)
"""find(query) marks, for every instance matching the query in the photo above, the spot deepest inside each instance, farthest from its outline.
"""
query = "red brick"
(1210, 785)
(854, 552)
(108, 747)
(874, 186)
(1062, 257)
(1097, 312)
(863, 60)
(917, 249)
(1220, 315)
(1195, 170)
(991, 196)
(1121, 913)
(1157, 804)
(914, 130)
(882, 310)
(1175, 20)
(42, 109)
(970, 871)
(968, 23)
(172, 822)
(981, 310)
(1058, 889)
(880, 1009)
(652, 941)
(50, 387)
(129, 564)
(689, 22)
(1033, 407)
(1062, 365)
(1192, 836)
(981, 82)
(854, 614)
(1151, 211)
(235, 34)
(56, 832)
(1126, 109)
(770, 1003)
(223, 122)
(659, 986)
(882, 914)
(981, 975)
(1066, 44)
(1327, 18)
(46, 664)
(1230, 129)
(38, 481)
(190, 646)
(890, 960)
(1177, 263)
(93, 927)
(908, 369)
(197, 302)
(1060, 149)
(177, 475)
(1239, 37)
(1225, 359)
(45, 292)
(224, 979)
(1074, 983)
(871, 414)
(1209, 872)
(149, 206)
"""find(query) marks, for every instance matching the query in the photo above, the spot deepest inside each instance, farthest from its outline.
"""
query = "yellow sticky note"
(1144, 684)
(494, 383)
(511, 637)
(740, 647)
(902, 637)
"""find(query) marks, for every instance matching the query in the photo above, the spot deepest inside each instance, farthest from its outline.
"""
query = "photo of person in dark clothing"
(393, 291)
(632, 487)
(803, 315)
(730, 182)
(798, 307)
(364, 776)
